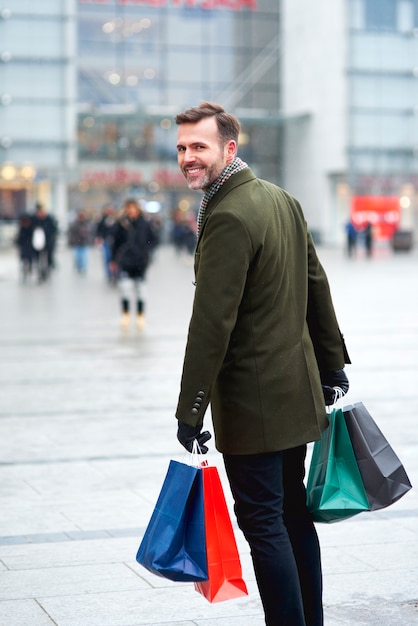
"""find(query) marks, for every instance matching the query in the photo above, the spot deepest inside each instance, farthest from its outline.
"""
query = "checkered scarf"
(236, 166)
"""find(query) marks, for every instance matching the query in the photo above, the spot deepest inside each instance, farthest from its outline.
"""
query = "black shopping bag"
(174, 544)
(384, 477)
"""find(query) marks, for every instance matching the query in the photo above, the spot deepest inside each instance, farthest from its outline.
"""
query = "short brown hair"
(228, 125)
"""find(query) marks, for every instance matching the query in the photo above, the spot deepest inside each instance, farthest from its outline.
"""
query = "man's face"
(201, 154)
(132, 211)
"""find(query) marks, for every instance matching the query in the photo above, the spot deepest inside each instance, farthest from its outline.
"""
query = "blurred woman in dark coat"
(134, 239)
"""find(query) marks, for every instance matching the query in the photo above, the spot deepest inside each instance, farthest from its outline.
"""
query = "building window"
(415, 9)
(381, 14)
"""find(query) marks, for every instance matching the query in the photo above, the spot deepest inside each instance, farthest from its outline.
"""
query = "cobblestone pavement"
(87, 431)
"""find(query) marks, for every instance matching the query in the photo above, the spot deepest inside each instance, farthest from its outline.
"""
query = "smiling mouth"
(194, 171)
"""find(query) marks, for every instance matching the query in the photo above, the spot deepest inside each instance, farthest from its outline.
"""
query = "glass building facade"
(140, 63)
(354, 152)
(37, 103)
(383, 94)
(327, 94)
(383, 110)
(89, 90)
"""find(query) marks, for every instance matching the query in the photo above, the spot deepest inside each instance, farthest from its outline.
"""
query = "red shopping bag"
(224, 566)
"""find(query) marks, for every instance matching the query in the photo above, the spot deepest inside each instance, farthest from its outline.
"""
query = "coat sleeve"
(329, 345)
(220, 283)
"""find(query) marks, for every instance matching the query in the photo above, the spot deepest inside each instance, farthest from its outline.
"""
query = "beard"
(206, 178)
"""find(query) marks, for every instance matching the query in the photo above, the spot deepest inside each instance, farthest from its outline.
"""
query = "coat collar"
(234, 181)
(238, 179)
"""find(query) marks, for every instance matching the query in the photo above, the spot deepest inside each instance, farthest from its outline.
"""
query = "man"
(263, 334)
(45, 232)
(104, 238)
(80, 238)
(133, 241)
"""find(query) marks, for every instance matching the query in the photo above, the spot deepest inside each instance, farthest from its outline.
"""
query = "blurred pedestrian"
(352, 236)
(80, 238)
(156, 225)
(45, 230)
(265, 350)
(184, 231)
(23, 242)
(104, 238)
(368, 238)
(133, 242)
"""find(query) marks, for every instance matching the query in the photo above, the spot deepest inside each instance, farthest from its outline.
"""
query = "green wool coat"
(262, 324)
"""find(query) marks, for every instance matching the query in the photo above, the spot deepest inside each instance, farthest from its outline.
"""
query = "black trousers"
(270, 506)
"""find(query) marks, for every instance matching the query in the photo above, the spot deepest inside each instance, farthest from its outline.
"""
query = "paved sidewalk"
(87, 431)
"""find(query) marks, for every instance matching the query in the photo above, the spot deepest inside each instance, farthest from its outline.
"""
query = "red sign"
(122, 176)
(235, 5)
(118, 176)
(383, 213)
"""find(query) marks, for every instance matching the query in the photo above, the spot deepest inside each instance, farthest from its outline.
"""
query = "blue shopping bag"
(174, 544)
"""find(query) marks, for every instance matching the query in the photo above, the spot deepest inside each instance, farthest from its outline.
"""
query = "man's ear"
(231, 150)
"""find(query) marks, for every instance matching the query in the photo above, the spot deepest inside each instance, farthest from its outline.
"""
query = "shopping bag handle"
(338, 400)
(194, 458)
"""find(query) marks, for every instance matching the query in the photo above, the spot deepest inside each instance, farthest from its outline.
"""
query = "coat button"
(200, 394)
(195, 411)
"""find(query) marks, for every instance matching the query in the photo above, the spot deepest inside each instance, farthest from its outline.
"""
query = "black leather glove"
(187, 434)
(329, 381)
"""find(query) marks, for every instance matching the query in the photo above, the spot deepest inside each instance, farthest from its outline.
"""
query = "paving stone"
(23, 612)
(175, 604)
(68, 581)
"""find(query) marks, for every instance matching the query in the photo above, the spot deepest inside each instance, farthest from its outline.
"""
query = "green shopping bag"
(335, 488)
